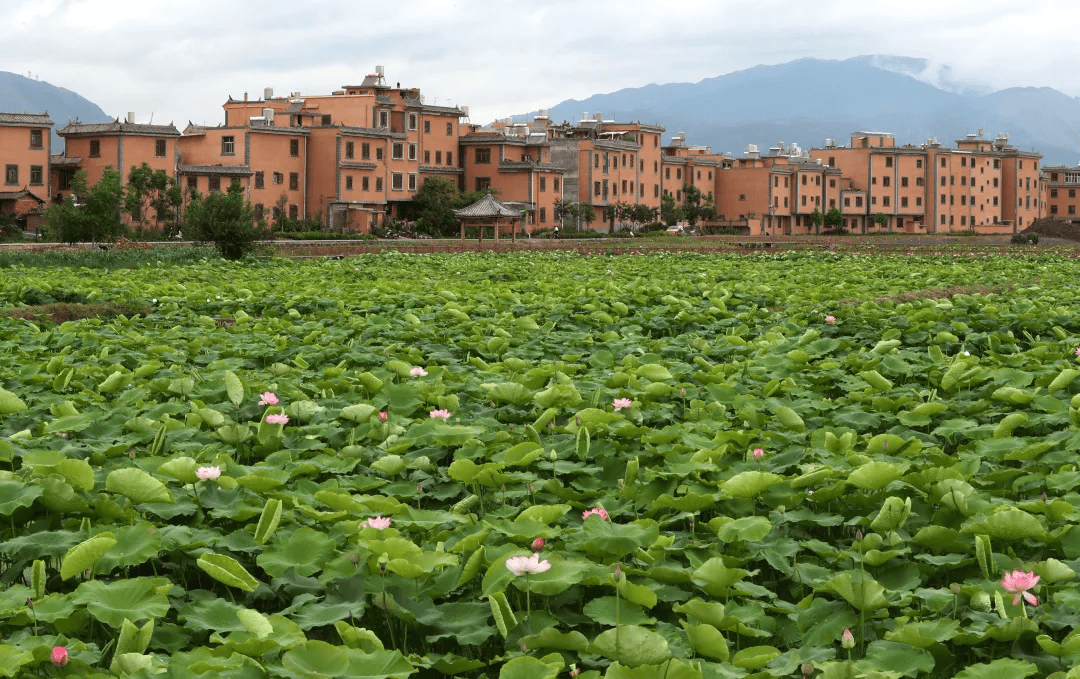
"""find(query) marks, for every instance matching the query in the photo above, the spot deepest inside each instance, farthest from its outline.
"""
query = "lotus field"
(546, 465)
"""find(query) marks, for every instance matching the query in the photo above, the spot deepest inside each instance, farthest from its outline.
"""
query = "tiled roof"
(61, 160)
(117, 127)
(26, 119)
(227, 170)
(372, 132)
(488, 206)
(440, 169)
(511, 165)
(358, 165)
(15, 195)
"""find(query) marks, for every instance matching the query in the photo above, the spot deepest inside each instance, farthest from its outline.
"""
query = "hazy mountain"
(809, 100)
(19, 94)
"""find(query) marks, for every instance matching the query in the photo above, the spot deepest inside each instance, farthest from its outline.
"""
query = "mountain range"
(809, 100)
(19, 94)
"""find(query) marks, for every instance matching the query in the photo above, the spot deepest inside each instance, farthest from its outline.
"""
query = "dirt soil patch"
(1054, 228)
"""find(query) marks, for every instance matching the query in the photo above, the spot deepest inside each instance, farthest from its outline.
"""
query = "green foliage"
(91, 213)
(881, 219)
(153, 189)
(670, 212)
(573, 215)
(817, 219)
(433, 207)
(224, 219)
(834, 220)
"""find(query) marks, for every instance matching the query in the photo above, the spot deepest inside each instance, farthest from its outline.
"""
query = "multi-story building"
(606, 163)
(269, 162)
(684, 165)
(514, 161)
(120, 145)
(1063, 192)
(405, 138)
(25, 140)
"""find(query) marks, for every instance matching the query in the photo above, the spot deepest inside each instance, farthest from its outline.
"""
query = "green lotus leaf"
(16, 494)
(13, 658)
(527, 667)
(560, 641)
(610, 611)
(670, 669)
(134, 544)
(358, 637)
(115, 382)
(1009, 523)
(559, 396)
(316, 660)
(923, 633)
(234, 388)
(1003, 668)
(874, 475)
(707, 641)
(378, 665)
(716, 578)
(86, 554)
(508, 392)
(360, 412)
(134, 599)
(749, 484)
(268, 521)
(632, 646)
(745, 529)
(227, 570)
(520, 455)
(69, 423)
(10, 403)
(859, 590)
(391, 465)
(613, 540)
(134, 639)
(305, 550)
(212, 614)
(137, 486)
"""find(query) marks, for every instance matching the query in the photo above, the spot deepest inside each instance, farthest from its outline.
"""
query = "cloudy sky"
(179, 61)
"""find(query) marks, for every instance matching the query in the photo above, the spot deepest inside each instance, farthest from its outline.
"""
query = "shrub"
(224, 219)
(1029, 238)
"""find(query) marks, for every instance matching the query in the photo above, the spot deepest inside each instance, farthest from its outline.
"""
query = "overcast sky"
(179, 61)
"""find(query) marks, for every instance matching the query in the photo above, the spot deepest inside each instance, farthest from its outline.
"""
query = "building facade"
(25, 146)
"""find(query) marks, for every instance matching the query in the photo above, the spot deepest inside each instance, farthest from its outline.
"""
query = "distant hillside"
(19, 94)
(809, 100)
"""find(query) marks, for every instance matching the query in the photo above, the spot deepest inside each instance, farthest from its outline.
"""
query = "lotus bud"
(807, 667)
(858, 534)
(354, 559)
(529, 486)
(419, 488)
(29, 602)
(383, 416)
(524, 647)
(383, 560)
(885, 445)
(1044, 496)
(955, 588)
(577, 421)
(59, 656)
(551, 424)
(618, 573)
(847, 639)
(537, 544)
(553, 455)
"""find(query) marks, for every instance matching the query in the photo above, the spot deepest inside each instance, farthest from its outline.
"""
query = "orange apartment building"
(121, 145)
(269, 162)
(1063, 197)
(25, 141)
(607, 163)
(405, 139)
(514, 160)
(693, 165)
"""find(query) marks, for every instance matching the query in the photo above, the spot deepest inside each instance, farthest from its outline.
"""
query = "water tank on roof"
(131, 116)
(268, 93)
(379, 71)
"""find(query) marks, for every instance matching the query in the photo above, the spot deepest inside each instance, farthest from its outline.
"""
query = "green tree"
(834, 219)
(881, 219)
(574, 214)
(153, 188)
(90, 214)
(670, 212)
(691, 207)
(817, 219)
(707, 211)
(433, 206)
(224, 219)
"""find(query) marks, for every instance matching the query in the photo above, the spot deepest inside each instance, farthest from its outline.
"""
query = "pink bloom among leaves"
(377, 522)
(268, 398)
(620, 403)
(208, 473)
(418, 372)
(59, 656)
(520, 565)
(597, 510)
(847, 639)
(383, 416)
(537, 544)
(441, 413)
(830, 320)
(759, 454)
(1018, 583)
(277, 419)
(1078, 351)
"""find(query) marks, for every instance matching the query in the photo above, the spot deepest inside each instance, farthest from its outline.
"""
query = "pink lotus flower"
(59, 656)
(208, 473)
(268, 398)
(847, 639)
(537, 544)
(377, 522)
(383, 416)
(598, 510)
(830, 319)
(520, 565)
(620, 403)
(441, 413)
(277, 419)
(759, 454)
(1018, 583)
(418, 372)
(1078, 351)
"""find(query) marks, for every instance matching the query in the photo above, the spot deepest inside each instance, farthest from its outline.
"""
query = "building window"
(193, 183)
(656, 190)
(398, 151)
(159, 148)
(228, 146)
(378, 153)
(294, 212)
(326, 120)
(483, 183)
(1053, 193)
(963, 161)
(997, 164)
(348, 183)
(11, 174)
(378, 184)
(278, 178)
(449, 157)
(365, 150)
(37, 139)
(943, 162)
(918, 163)
(397, 181)
(963, 220)
(885, 180)
(384, 119)
(294, 147)
(412, 151)
(427, 127)
(903, 181)
(1072, 209)
(858, 201)
(412, 121)
(667, 173)
(624, 186)
(1072, 193)
(918, 201)
(365, 184)
(214, 182)
(483, 156)
(555, 184)
(427, 157)
(449, 129)
(963, 200)
(258, 209)
(36, 175)
(847, 202)
(903, 202)
(918, 181)
(259, 179)
(294, 181)
(95, 148)
(888, 161)
(543, 215)
(596, 188)
(349, 149)
(543, 183)
(412, 182)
